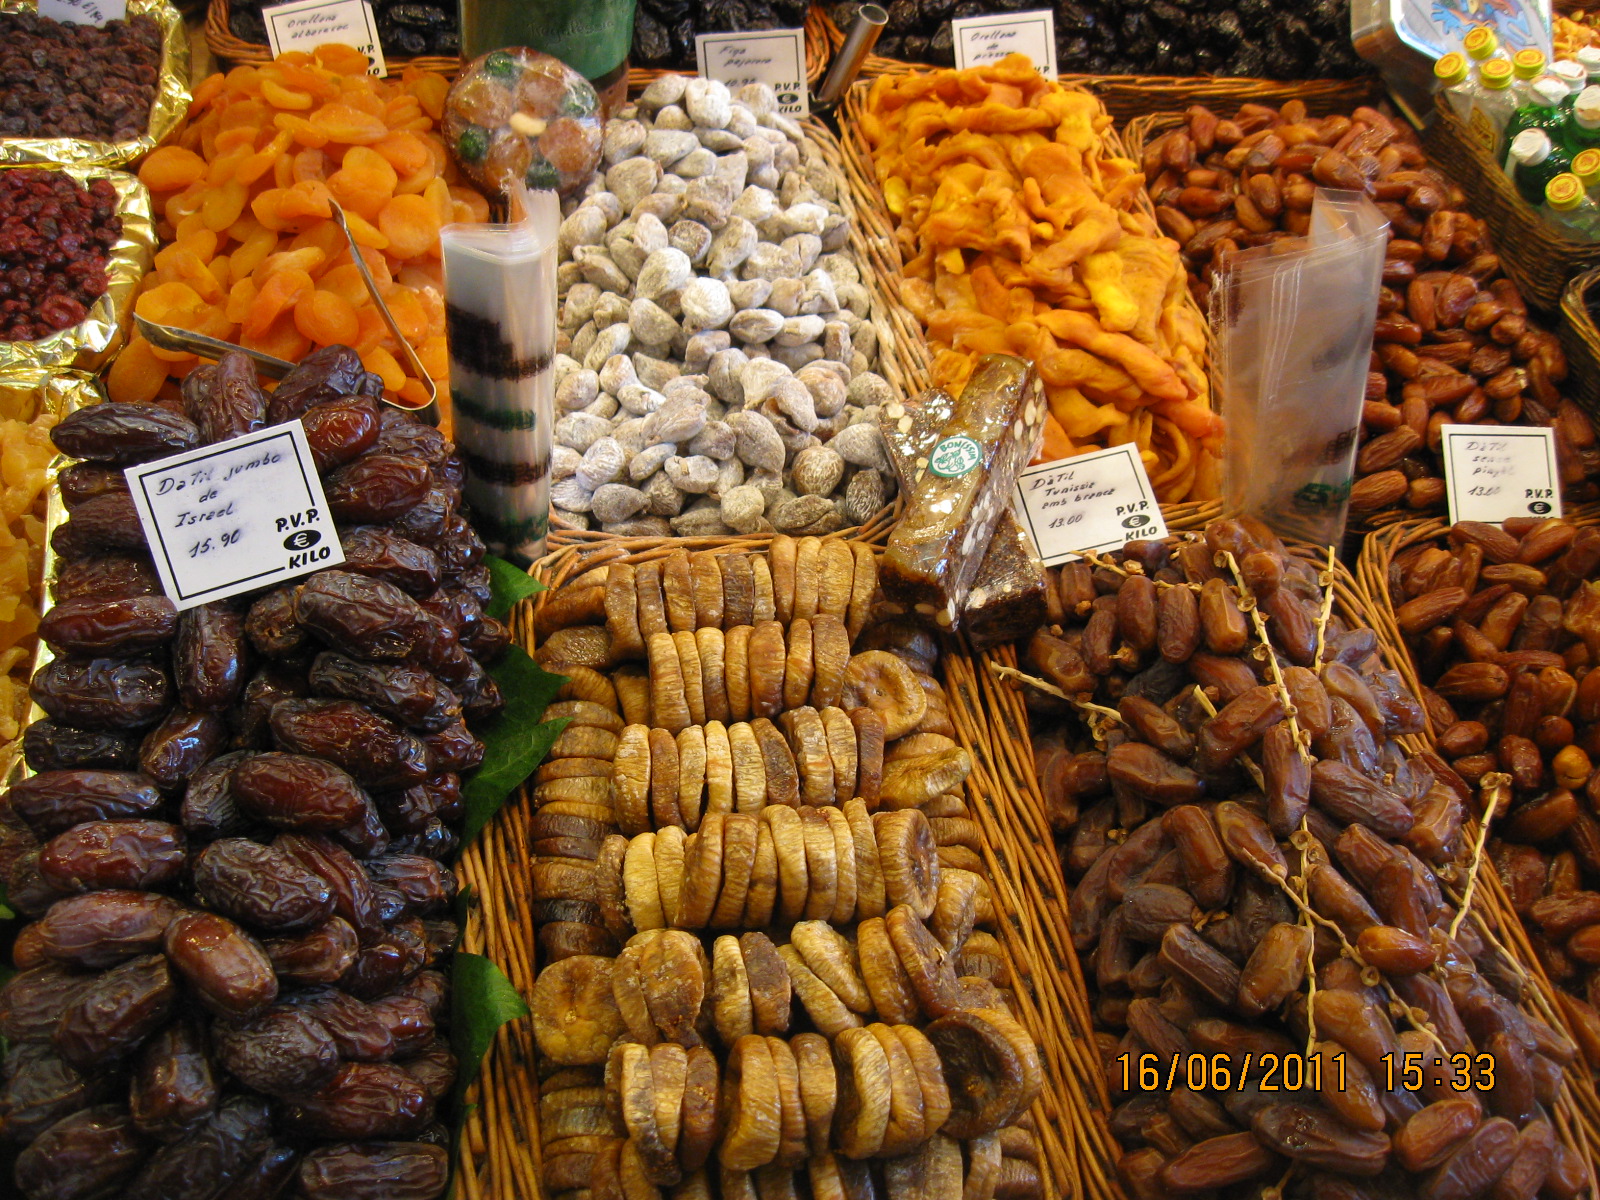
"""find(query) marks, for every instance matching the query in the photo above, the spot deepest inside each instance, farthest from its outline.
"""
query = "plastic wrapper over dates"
(1293, 972)
(229, 848)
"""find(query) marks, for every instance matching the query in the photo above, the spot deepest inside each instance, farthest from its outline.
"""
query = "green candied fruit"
(542, 174)
(580, 100)
(500, 65)
(473, 144)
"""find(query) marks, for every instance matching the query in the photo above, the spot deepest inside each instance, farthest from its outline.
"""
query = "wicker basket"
(1534, 253)
(873, 233)
(1129, 96)
(500, 1157)
(1373, 572)
(1581, 340)
(232, 49)
(997, 707)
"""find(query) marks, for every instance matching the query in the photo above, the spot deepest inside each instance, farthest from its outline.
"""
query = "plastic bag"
(500, 301)
(1293, 323)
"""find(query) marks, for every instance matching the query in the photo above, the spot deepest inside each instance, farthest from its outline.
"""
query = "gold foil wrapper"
(92, 343)
(24, 394)
(166, 110)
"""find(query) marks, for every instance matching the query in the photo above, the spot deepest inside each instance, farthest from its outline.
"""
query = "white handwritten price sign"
(981, 40)
(307, 24)
(84, 12)
(1095, 501)
(237, 516)
(772, 56)
(1494, 472)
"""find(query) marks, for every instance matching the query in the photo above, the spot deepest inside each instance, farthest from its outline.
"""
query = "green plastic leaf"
(481, 1001)
(515, 742)
(507, 584)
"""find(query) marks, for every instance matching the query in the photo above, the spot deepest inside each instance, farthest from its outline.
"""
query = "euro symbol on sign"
(302, 539)
(1135, 521)
(1539, 508)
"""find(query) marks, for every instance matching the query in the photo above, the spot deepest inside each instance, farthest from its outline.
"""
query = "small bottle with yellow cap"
(1567, 207)
(1586, 166)
(1453, 76)
(1493, 102)
(1526, 66)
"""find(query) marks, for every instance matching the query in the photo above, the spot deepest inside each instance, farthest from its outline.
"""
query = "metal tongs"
(168, 337)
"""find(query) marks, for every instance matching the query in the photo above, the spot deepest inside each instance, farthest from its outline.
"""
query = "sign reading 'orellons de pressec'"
(240, 515)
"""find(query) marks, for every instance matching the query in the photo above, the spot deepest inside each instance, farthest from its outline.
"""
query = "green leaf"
(507, 585)
(515, 742)
(481, 1000)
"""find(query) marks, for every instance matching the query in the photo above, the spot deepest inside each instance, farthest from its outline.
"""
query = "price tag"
(84, 12)
(307, 24)
(240, 515)
(772, 56)
(1496, 472)
(1095, 501)
(981, 40)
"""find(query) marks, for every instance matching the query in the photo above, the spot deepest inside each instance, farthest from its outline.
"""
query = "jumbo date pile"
(1182, 830)
(62, 80)
(664, 30)
(1134, 37)
(1504, 627)
(55, 239)
(1454, 342)
(233, 983)
(769, 947)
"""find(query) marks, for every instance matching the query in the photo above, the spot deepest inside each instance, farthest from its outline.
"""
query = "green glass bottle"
(1535, 161)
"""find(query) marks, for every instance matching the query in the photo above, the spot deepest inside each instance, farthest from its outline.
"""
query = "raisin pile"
(64, 80)
(55, 236)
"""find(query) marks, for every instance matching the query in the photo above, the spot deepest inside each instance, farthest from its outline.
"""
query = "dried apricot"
(326, 319)
(344, 122)
(278, 294)
(223, 204)
(171, 167)
(364, 182)
(279, 96)
(381, 362)
(412, 226)
(137, 374)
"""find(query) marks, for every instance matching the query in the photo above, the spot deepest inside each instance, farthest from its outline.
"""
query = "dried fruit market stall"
(571, 630)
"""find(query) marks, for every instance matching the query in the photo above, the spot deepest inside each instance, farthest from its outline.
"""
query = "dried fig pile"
(1502, 624)
(1454, 343)
(230, 847)
(758, 893)
(1266, 896)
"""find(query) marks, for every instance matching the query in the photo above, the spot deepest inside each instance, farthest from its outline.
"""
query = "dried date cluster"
(404, 26)
(1504, 626)
(77, 81)
(1238, 772)
(55, 238)
(1135, 37)
(1453, 342)
(231, 844)
(664, 30)
(768, 936)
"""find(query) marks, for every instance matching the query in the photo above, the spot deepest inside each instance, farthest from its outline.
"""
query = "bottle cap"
(1528, 64)
(1586, 108)
(1451, 69)
(1548, 91)
(1564, 192)
(1495, 74)
(1586, 166)
(1589, 59)
(1480, 42)
(1531, 147)
(1572, 74)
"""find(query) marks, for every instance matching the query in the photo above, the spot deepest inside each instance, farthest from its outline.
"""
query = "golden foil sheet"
(24, 395)
(91, 344)
(166, 110)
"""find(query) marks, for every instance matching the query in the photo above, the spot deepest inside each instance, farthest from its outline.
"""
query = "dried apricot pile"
(251, 253)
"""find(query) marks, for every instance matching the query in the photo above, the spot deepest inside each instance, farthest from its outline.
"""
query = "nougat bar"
(955, 504)
(1007, 598)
